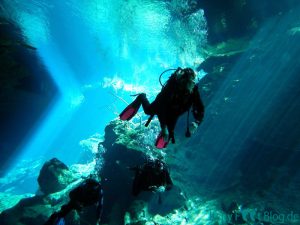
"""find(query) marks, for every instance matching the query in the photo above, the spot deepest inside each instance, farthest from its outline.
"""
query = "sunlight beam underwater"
(54, 120)
(260, 89)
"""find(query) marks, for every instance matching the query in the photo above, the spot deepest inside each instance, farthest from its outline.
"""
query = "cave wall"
(26, 90)
(231, 19)
(250, 135)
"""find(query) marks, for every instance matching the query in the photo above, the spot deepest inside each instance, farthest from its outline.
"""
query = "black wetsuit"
(150, 176)
(88, 193)
(172, 102)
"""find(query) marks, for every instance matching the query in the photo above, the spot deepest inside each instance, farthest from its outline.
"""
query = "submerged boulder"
(54, 176)
(128, 145)
(56, 180)
(31, 211)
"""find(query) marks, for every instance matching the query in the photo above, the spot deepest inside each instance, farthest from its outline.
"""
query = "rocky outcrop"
(176, 207)
(54, 176)
(129, 145)
(56, 180)
(201, 170)
(238, 19)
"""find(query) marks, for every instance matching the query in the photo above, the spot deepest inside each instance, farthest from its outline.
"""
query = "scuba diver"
(178, 95)
(87, 193)
(152, 176)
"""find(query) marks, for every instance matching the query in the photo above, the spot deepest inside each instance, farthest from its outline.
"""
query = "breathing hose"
(162, 74)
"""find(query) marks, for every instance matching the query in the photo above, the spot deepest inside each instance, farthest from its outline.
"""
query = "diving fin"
(160, 142)
(149, 120)
(130, 110)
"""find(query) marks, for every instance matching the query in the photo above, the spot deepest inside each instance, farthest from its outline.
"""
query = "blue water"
(97, 52)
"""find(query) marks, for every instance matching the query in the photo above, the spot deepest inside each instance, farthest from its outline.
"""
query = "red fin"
(128, 113)
(131, 109)
(160, 142)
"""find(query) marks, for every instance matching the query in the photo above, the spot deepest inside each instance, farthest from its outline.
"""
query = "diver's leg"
(163, 125)
(147, 107)
(171, 127)
(163, 137)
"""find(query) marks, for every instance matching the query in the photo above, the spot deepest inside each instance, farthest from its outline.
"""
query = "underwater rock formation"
(54, 176)
(56, 181)
(248, 178)
(179, 206)
(28, 211)
(128, 145)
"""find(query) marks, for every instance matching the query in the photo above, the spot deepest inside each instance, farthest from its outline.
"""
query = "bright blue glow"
(95, 48)
(62, 110)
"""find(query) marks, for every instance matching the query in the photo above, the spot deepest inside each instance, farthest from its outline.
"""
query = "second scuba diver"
(176, 97)
(87, 193)
(153, 175)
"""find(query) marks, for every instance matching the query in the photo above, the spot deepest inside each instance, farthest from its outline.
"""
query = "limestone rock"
(54, 176)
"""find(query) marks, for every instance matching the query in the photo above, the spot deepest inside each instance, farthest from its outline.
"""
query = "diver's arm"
(198, 107)
(56, 217)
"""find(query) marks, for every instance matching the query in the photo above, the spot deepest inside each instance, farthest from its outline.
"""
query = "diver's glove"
(193, 127)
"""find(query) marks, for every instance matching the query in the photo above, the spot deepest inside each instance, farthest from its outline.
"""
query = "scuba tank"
(179, 71)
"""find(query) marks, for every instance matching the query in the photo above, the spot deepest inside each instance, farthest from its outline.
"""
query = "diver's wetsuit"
(172, 102)
(150, 176)
(86, 194)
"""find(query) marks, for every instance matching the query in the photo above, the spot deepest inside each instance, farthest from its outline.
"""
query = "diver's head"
(188, 79)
